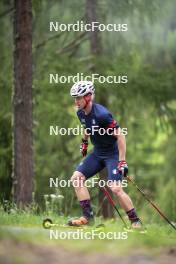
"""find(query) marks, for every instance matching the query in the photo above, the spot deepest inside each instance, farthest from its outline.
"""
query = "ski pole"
(154, 206)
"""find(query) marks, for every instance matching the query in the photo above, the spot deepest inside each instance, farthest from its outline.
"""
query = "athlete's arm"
(121, 143)
(122, 165)
(85, 136)
(109, 123)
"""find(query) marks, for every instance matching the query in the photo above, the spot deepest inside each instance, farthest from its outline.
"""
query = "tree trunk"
(95, 37)
(23, 171)
(96, 49)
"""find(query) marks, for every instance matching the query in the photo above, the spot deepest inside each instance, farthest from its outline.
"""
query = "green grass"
(158, 237)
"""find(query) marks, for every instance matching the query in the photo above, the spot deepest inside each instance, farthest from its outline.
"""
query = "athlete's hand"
(83, 147)
(123, 168)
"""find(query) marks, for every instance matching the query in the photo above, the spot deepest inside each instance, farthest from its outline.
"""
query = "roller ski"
(49, 224)
(80, 223)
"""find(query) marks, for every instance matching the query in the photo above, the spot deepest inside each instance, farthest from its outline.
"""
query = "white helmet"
(82, 88)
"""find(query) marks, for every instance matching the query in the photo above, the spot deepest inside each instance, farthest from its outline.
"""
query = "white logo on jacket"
(93, 122)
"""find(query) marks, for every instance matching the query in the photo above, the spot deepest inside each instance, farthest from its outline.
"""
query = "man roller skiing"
(109, 151)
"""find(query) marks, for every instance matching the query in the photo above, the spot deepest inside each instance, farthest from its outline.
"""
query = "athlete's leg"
(78, 179)
(123, 198)
(117, 188)
(86, 169)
